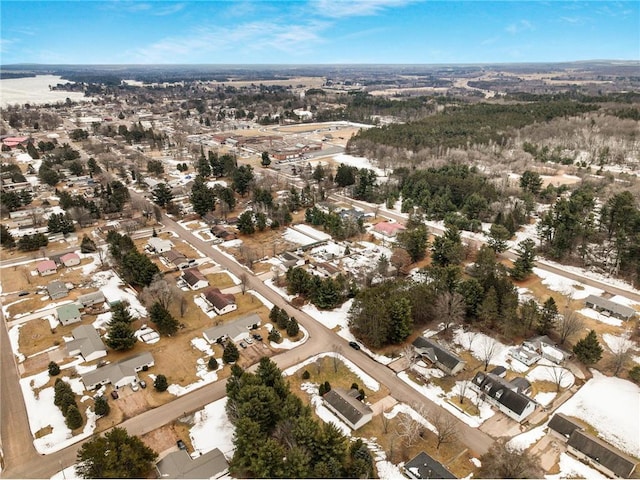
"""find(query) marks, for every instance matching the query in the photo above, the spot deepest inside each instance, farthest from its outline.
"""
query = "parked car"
(354, 345)
(134, 386)
(142, 384)
(114, 394)
(257, 336)
(23, 293)
(243, 345)
(181, 445)
(248, 340)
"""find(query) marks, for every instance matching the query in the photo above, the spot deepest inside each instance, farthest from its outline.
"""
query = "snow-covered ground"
(571, 467)
(546, 370)
(14, 336)
(595, 315)
(110, 285)
(42, 413)
(612, 406)
(312, 232)
(526, 439)
(358, 162)
(480, 344)
(566, 286)
(212, 429)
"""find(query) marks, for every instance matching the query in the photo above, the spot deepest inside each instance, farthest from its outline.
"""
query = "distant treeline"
(6, 75)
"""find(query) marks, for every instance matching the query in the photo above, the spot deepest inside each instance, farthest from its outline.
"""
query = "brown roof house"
(219, 302)
(47, 267)
(194, 279)
(177, 259)
(179, 464)
(347, 407)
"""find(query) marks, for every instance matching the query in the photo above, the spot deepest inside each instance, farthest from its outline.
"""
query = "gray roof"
(180, 465)
(68, 311)
(514, 401)
(424, 466)
(57, 288)
(85, 339)
(91, 298)
(174, 256)
(116, 371)
(563, 424)
(349, 407)
(603, 453)
(437, 353)
(233, 328)
(613, 307)
(521, 384)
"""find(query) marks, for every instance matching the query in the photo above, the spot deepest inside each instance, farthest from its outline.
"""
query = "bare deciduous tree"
(410, 355)
(409, 430)
(488, 350)
(161, 291)
(469, 338)
(336, 358)
(568, 324)
(502, 461)
(445, 425)
(184, 305)
(26, 274)
(449, 308)
(385, 422)
(621, 351)
(244, 280)
(558, 374)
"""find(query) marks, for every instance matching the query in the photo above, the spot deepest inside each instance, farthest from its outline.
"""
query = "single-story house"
(290, 259)
(442, 358)
(546, 348)
(57, 290)
(177, 259)
(425, 466)
(86, 342)
(237, 328)
(389, 229)
(219, 302)
(327, 270)
(90, 299)
(609, 308)
(562, 426)
(347, 407)
(600, 455)
(210, 465)
(524, 355)
(68, 313)
(70, 259)
(222, 233)
(521, 385)
(503, 395)
(47, 267)
(120, 373)
(159, 245)
(194, 279)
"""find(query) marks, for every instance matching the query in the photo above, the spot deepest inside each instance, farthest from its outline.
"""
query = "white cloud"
(353, 8)
(521, 26)
(168, 9)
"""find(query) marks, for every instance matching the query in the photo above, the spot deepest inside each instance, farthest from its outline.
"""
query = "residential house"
(546, 348)
(608, 308)
(524, 355)
(521, 385)
(57, 290)
(347, 407)
(503, 395)
(89, 299)
(210, 465)
(435, 353)
(424, 466)
(68, 314)
(388, 229)
(600, 455)
(233, 330)
(327, 270)
(177, 259)
(194, 279)
(562, 426)
(86, 342)
(70, 259)
(222, 233)
(219, 302)
(159, 245)
(118, 374)
(47, 267)
(290, 259)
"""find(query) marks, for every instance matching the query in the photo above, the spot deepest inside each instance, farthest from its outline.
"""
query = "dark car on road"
(142, 384)
(257, 336)
(114, 394)
(354, 345)
(181, 445)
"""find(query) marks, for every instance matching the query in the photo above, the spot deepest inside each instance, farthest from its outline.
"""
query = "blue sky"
(317, 31)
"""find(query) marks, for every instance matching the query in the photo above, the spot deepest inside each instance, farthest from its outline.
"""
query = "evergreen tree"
(202, 197)
(212, 364)
(54, 369)
(274, 336)
(242, 178)
(245, 223)
(498, 236)
(101, 406)
(588, 349)
(162, 195)
(6, 239)
(120, 336)
(548, 316)
(87, 245)
(115, 455)
(60, 223)
(447, 249)
(230, 353)
(523, 266)
(292, 327)
(400, 320)
(161, 383)
(266, 161)
(73, 418)
(345, 175)
(415, 242)
(165, 322)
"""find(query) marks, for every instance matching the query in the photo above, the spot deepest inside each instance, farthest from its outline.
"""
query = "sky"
(317, 31)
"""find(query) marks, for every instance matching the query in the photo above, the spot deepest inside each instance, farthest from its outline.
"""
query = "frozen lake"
(35, 90)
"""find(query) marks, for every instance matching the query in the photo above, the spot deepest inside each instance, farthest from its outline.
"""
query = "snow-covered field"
(612, 406)
(595, 315)
(212, 429)
(358, 162)
(35, 90)
(573, 468)
(110, 285)
(566, 286)
(299, 238)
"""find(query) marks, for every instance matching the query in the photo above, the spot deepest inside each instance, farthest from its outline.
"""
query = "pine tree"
(523, 266)
(231, 353)
(101, 406)
(160, 383)
(588, 349)
(292, 327)
(165, 322)
(54, 369)
(548, 316)
(212, 364)
(6, 239)
(120, 335)
(73, 418)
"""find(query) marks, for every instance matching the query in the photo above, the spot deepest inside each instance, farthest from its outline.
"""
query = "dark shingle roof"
(180, 465)
(613, 307)
(603, 453)
(193, 276)
(349, 407)
(563, 424)
(424, 466)
(439, 353)
(500, 390)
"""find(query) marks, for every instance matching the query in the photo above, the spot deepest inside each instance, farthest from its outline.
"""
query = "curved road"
(24, 462)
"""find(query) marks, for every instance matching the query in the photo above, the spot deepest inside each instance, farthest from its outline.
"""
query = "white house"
(159, 245)
(194, 279)
(119, 374)
(70, 259)
(219, 302)
(47, 267)
(503, 395)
